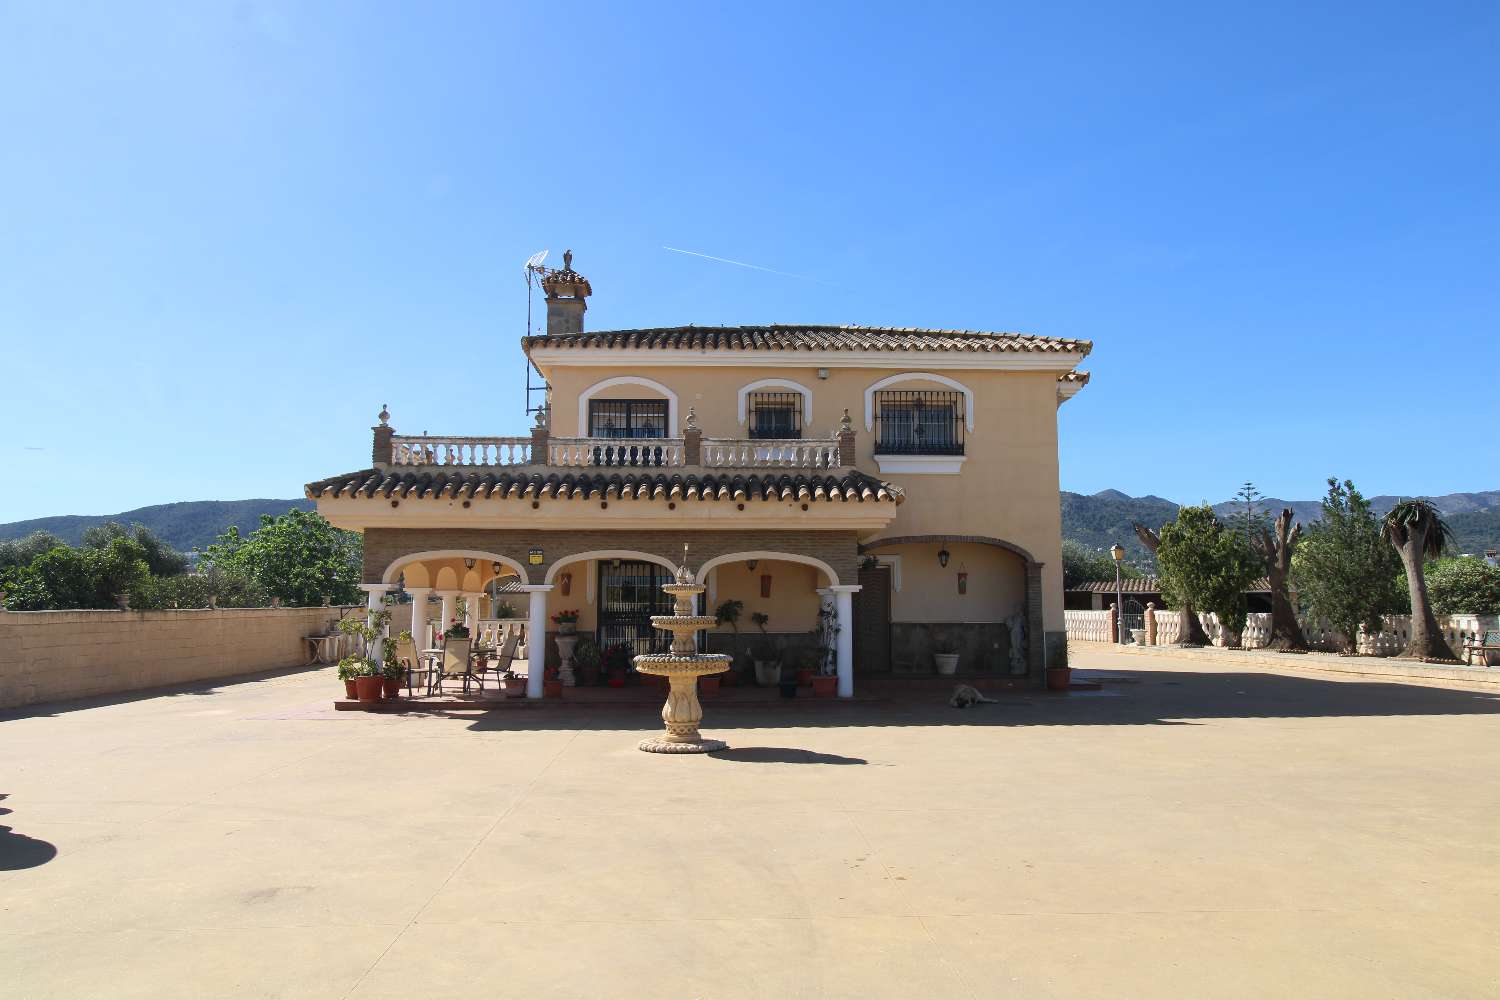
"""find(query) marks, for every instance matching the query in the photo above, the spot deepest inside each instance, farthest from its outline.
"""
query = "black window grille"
(919, 422)
(628, 418)
(775, 414)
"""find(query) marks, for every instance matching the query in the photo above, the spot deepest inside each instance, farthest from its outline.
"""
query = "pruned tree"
(1417, 529)
(1275, 552)
(1191, 631)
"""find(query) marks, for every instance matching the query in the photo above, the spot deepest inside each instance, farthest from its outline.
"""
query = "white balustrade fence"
(492, 632)
(460, 451)
(647, 453)
(1087, 626)
(728, 453)
(1168, 627)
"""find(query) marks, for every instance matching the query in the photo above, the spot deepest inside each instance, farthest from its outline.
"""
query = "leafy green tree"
(1418, 531)
(1463, 585)
(1081, 563)
(1342, 568)
(63, 578)
(21, 551)
(298, 557)
(162, 559)
(230, 588)
(1205, 565)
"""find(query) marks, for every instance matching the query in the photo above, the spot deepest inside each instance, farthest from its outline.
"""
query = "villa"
(906, 479)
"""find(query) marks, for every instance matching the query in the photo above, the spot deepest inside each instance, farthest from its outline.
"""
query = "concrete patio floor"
(1190, 830)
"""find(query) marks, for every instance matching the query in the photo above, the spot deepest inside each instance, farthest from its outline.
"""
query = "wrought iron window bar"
(919, 422)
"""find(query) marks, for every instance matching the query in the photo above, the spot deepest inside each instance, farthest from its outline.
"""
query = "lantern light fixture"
(1117, 551)
(750, 564)
(468, 562)
(496, 567)
(943, 557)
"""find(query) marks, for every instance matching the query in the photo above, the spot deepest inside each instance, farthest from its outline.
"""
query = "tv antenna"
(535, 272)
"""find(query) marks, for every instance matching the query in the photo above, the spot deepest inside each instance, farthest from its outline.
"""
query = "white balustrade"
(631, 453)
(1168, 626)
(492, 631)
(1087, 626)
(411, 450)
(788, 453)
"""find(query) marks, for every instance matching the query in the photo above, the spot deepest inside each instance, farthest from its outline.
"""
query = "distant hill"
(1100, 520)
(1096, 521)
(185, 526)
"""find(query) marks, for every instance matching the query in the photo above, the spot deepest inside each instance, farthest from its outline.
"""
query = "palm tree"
(1417, 530)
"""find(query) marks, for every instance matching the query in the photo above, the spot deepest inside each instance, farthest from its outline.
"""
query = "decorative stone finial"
(845, 424)
(541, 416)
(385, 416)
(684, 575)
(692, 425)
(567, 260)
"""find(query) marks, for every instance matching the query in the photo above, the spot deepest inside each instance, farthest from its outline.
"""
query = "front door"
(872, 621)
(629, 594)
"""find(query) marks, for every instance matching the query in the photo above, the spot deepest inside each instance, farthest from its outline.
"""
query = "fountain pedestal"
(682, 667)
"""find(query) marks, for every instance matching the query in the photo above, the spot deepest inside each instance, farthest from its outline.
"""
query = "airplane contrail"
(740, 263)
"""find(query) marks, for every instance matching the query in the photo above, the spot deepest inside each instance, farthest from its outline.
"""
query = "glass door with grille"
(629, 594)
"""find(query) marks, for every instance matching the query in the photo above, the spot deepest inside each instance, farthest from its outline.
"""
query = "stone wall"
(56, 655)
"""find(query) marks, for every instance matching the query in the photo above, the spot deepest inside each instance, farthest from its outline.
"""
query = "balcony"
(694, 451)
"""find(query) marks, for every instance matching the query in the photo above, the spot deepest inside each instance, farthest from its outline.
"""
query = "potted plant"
(764, 653)
(552, 685)
(825, 682)
(566, 622)
(369, 685)
(729, 613)
(514, 684)
(1059, 678)
(347, 673)
(586, 658)
(788, 687)
(616, 662)
(945, 657)
(807, 663)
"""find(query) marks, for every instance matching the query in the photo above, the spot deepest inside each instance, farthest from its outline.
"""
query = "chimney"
(567, 298)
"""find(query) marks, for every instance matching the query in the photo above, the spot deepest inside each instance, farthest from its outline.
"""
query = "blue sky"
(233, 231)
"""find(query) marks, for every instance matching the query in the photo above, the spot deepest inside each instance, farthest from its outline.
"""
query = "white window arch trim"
(891, 380)
(673, 430)
(775, 383)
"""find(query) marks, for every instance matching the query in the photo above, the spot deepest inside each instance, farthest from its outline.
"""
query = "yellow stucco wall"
(1008, 486)
(929, 592)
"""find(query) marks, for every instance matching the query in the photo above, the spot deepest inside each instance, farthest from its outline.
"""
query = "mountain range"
(1096, 521)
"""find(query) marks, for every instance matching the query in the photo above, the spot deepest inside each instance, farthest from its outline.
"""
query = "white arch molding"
(703, 571)
(891, 380)
(776, 383)
(393, 571)
(671, 397)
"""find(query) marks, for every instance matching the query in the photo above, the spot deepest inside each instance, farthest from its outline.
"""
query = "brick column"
(539, 436)
(1036, 636)
(1114, 623)
(846, 441)
(381, 453)
(692, 440)
(1150, 623)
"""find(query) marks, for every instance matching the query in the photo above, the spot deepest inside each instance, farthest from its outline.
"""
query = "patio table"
(319, 650)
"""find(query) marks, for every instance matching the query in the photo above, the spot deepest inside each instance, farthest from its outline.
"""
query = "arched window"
(775, 408)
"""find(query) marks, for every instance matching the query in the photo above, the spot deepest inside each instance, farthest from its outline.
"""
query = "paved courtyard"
(1190, 830)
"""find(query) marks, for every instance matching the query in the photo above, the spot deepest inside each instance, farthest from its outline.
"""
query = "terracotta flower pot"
(617, 678)
(1058, 678)
(350, 691)
(825, 687)
(552, 689)
(708, 686)
(804, 676)
(515, 687)
(392, 687)
(369, 688)
(729, 679)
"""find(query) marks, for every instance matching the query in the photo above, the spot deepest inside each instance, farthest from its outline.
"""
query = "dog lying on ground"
(964, 695)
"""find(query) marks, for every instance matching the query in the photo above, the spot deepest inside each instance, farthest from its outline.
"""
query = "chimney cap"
(566, 282)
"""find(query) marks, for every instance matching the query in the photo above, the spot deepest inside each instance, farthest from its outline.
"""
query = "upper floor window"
(628, 418)
(775, 414)
(919, 422)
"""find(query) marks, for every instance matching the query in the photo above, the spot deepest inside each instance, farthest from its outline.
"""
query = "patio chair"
(504, 656)
(416, 665)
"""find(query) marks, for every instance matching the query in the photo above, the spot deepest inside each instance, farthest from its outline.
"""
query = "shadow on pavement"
(783, 755)
(18, 851)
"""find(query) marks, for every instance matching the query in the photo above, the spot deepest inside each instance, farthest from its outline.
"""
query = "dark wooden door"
(872, 621)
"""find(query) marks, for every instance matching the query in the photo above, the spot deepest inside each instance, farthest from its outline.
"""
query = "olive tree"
(1207, 566)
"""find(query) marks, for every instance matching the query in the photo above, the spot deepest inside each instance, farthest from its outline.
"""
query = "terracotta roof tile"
(852, 486)
(777, 337)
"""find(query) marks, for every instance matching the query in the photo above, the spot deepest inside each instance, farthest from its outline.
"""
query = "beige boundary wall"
(56, 655)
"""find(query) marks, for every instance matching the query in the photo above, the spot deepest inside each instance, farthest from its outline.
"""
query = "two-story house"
(906, 478)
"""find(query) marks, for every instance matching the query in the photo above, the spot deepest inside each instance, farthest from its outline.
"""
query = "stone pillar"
(381, 453)
(846, 441)
(1150, 623)
(419, 617)
(471, 614)
(374, 595)
(843, 605)
(449, 599)
(539, 437)
(536, 638)
(692, 440)
(1114, 623)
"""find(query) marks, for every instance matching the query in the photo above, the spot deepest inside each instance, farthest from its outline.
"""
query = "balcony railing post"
(846, 441)
(539, 435)
(692, 440)
(381, 452)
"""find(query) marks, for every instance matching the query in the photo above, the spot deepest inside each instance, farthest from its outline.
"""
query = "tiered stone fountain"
(682, 667)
